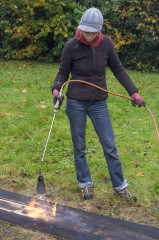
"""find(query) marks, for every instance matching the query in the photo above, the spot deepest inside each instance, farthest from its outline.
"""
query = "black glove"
(57, 99)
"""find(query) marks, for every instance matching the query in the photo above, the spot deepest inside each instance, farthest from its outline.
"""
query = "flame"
(54, 210)
(41, 209)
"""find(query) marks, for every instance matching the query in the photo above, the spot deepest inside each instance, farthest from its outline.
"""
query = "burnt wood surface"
(71, 223)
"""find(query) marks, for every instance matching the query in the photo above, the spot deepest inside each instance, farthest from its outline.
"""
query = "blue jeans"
(97, 111)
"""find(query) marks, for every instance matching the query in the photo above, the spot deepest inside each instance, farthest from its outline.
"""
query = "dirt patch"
(10, 232)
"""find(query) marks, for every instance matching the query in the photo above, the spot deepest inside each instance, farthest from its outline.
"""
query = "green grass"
(26, 111)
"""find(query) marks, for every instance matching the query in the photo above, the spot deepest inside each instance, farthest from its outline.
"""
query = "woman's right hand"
(58, 99)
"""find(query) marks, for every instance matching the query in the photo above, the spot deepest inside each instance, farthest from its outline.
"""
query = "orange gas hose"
(116, 94)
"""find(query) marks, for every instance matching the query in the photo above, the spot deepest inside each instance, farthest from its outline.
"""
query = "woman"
(86, 57)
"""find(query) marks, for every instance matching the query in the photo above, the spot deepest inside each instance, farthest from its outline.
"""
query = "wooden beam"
(70, 223)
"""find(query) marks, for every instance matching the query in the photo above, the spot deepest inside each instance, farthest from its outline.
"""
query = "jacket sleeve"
(65, 67)
(119, 71)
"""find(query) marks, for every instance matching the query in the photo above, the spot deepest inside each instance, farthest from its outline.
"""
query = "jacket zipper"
(94, 69)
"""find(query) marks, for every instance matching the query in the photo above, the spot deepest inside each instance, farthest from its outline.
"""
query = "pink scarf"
(99, 38)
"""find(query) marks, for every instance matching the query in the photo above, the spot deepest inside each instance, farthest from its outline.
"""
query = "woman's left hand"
(138, 100)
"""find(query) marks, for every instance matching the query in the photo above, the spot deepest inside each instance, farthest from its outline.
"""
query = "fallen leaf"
(42, 106)
(24, 90)
(140, 174)
(6, 114)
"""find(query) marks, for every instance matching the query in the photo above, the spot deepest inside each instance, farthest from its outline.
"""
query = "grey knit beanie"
(91, 21)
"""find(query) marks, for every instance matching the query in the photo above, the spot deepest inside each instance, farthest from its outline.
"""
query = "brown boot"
(87, 193)
(124, 193)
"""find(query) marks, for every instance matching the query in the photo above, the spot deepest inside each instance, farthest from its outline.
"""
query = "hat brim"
(88, 29)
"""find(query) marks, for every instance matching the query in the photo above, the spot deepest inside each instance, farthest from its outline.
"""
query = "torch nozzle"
(41, 189)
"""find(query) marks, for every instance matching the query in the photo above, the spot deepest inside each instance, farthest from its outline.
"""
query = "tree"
(37, 29)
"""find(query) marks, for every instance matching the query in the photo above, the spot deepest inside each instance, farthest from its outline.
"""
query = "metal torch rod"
(53, 119)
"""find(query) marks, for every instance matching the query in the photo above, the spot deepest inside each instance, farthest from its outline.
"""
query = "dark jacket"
(89, 64)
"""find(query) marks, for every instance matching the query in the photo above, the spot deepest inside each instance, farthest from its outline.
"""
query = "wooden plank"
(70, 223)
